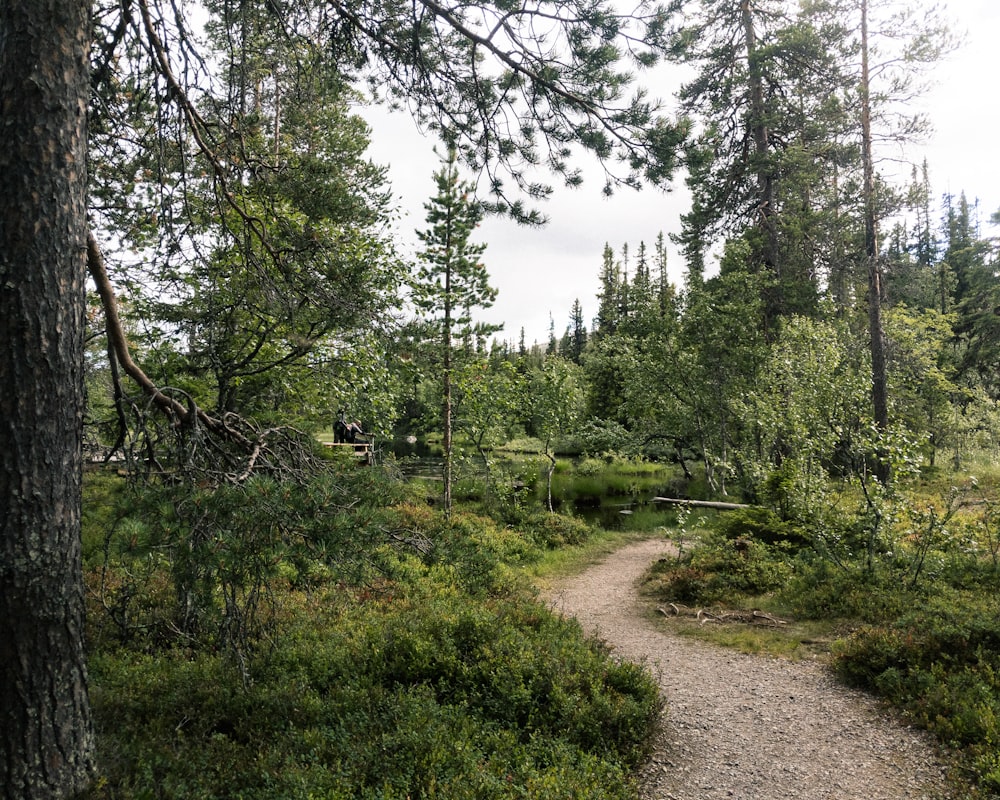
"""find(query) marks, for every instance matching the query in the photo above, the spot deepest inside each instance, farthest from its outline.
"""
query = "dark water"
(417, 459)
(413, 447)
(421, 466)
(612, 514)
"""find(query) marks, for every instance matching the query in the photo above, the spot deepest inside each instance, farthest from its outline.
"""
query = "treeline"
(688, 371)
(258, 279)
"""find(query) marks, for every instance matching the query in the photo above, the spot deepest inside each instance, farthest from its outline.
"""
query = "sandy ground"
(747, 727)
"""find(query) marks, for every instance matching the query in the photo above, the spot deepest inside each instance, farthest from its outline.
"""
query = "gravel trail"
(747, 727)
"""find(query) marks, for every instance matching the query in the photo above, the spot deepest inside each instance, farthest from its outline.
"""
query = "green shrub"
(102, 488)
(201, 564)
(819, 589)
(394, 696)
(402, 658)
(721, 570)
(940, 663)
(557, 530)
(759, 524)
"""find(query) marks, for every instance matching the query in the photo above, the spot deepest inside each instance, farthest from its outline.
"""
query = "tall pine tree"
(451, 281)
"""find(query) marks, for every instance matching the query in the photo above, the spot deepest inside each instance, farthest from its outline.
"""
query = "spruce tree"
(577, 334)
(451, 280)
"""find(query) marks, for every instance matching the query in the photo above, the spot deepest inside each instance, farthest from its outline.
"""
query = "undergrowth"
(397, 655)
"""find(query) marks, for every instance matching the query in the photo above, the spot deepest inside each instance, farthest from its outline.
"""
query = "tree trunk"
(46, 740)
(446, 394)
(880, 401)
(717, 505)
(548, 475)
(767, 214)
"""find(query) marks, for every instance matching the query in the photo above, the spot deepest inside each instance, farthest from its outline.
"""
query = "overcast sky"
(542, 271)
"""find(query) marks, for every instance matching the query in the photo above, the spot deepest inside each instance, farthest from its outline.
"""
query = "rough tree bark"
(880, 392)
(757, 117)
(46, 739)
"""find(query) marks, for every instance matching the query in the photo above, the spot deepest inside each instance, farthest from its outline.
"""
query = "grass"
(556, 564)
(796, 640)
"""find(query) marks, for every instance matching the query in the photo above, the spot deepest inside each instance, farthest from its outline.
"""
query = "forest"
(201, 272)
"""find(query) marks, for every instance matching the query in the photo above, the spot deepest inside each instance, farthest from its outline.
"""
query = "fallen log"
(718, 506)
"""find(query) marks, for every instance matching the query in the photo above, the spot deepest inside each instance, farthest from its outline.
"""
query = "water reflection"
(615, 499)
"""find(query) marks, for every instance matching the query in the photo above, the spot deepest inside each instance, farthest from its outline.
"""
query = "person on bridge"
(355, 434)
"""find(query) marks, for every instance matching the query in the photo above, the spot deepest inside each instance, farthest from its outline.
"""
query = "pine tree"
(666, 293)
(451, 280)
(46, 738)
(880, 396)
(766, 93)
(553, 346)
(963, 249)
(609, 299)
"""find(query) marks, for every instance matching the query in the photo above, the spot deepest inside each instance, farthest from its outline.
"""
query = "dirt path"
(747, 727)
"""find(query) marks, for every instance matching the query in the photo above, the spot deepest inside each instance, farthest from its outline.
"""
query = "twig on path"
(754, 617)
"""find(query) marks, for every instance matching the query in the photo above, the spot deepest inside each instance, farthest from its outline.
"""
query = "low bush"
(821, 590)
(759, 524)
(200, 565)
(427, 671)
(555, 530)
(940, 663)
(408, 693)
(720, 570)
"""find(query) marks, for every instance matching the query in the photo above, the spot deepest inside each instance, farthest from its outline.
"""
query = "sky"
(540, 272)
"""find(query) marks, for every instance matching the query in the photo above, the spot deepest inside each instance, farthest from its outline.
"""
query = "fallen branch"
(272, 449)
(116, 336)
(719, 506)
(702, 616)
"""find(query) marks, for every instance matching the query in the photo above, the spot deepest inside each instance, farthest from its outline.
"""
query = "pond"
(614, 496)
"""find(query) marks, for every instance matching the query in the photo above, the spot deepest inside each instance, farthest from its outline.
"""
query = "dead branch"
(116, 336)
(274, 450)
(719, 506)
(723, 616)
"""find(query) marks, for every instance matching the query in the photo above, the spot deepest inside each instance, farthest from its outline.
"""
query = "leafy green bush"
(760, 524)
(102, 488)
(820, 589)
(721, 570)
(409, 693)
(556, 530)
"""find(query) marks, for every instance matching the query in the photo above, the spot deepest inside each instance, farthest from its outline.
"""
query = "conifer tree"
(451, 280)
(764, 92)
(963, 249)
(666, 291)
(609, 297)
(577, 334)
(46, 737)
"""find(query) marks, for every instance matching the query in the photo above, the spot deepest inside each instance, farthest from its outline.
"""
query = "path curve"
(747, 727)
